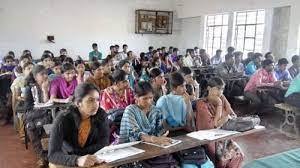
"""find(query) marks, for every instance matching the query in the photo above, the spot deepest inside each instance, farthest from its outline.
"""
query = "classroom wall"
(76, 24)
(188, 9)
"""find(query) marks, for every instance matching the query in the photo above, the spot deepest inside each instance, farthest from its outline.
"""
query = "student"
(269, 55)
(292, 95)
(149, 54)
(98, 77)
(62, 87)
(8, 64)
(239, 66)
(126, 67)
(227, 69)
(69, 60)
(295, 68)
(187, 73)
(176, 106)
(248, 59)
(230, 51)
(36, 92)
(263, 77)
(81, 131)
(82, 75)
(47, 62)
(213, 112)
(23, 60)
(158, 83)
(122, 55)
(112, 50)
(281, 73)
(205, 61)
(119, 95)
(95, 53)
(135, 62)
(216, 60)
(17, 89)
(63, 53)
(56, 69)
(253, 65)
(187, 59)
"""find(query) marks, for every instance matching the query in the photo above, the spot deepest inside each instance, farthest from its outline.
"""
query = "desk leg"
(53, 111)
(290, 120)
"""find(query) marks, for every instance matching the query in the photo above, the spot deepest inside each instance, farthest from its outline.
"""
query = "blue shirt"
(250, 68)
(282, 75)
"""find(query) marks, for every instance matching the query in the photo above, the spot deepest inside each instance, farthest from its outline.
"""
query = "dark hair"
(295, 58)
(94, 45)
(283, 61)
(111, 47)
(189, 89)
(155, 72)
(237, 53)
(11, 53)
(175, 49)
(230, 49)
(26, 52)
(49, 52)
(257, 55)
(267, 54)
(150, 48)
(119, 76)
(122, 63)
(124, 45)
(45, 56)
(266, 62)
(56, 61)
(77, 62)
(128, 53)
(68, 60)
(66, 67)
(219, 50)
(8, 57)
(176, 79)
(215, 81)
(117, 46)
(62, 50)
(26, 56)
(185, 71)
(27, 64)
(143, 88)
(35, 70)
(83, 90)
(195, 48)
(95, 65)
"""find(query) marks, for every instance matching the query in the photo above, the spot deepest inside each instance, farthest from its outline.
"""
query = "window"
(249, 31)
(216, 33)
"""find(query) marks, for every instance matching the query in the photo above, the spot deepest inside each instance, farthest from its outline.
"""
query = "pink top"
(259, 79)
(61, 89)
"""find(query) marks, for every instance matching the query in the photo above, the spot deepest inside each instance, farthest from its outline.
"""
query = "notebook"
(173, 143)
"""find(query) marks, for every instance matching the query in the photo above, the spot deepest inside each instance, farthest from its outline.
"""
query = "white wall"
(76, 24)
(196, 8)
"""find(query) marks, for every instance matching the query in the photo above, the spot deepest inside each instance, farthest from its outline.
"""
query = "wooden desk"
(153, 151)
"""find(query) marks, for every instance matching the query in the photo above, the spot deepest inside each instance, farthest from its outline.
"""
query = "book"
(173, 143)
(211, 134)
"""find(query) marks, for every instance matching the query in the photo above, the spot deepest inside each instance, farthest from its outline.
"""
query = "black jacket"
(63, 145)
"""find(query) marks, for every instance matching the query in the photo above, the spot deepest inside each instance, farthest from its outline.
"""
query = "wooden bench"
(291, 113)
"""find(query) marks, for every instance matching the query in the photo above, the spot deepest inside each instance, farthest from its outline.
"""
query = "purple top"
(6, 68)
(61, 89)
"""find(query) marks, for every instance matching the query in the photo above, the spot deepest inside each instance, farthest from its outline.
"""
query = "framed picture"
(153, 22)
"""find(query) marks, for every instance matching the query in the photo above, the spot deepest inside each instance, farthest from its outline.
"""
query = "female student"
(80, 70)
(36, 92)
(98, 77)
(158, 83)
(119, 95)
(80, 132)
(62, 87)
(213, 112)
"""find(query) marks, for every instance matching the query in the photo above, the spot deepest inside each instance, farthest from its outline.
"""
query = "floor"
(14, 155)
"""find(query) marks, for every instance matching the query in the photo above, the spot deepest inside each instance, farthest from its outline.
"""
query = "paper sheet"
(173, 143)
(211, 134)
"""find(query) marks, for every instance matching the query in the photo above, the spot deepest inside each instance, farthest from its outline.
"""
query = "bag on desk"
(196, 156)
(164, 161)
(241, 124)
(37, 118)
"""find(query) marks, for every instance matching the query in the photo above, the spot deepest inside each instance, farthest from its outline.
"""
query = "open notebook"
(173, 143)
(116, 152)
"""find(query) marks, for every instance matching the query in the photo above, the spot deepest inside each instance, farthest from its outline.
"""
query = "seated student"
(80, 132)
(158, 83)
(263, 77)
(62, 87)
(248, 59)
(281, 73)
(17, 89)
(82, 75)
(119, 95)
(269, 55)
(230, 51)
(8, 65)
(47, 62)
(23, 60)
(145, 70)
(68, 60)
(176, 106)
(95, 53)
(253, 65)
(187, 73)
(126, 67)
(36, 92)
(213, 112)
(204, 58)
(239, 66)
(295, 68)
(56, 69)
(227, 68)
(98, 78)
(292, 95)
(187, 59)
(216, 60)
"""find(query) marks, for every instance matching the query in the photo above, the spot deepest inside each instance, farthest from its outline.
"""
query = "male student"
(254, 64)
(295, 68)
(95, 53)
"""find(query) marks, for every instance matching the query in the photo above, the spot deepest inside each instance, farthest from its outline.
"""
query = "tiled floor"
(14, 155)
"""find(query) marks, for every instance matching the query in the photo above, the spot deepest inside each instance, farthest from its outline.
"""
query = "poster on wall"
(153, 22)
